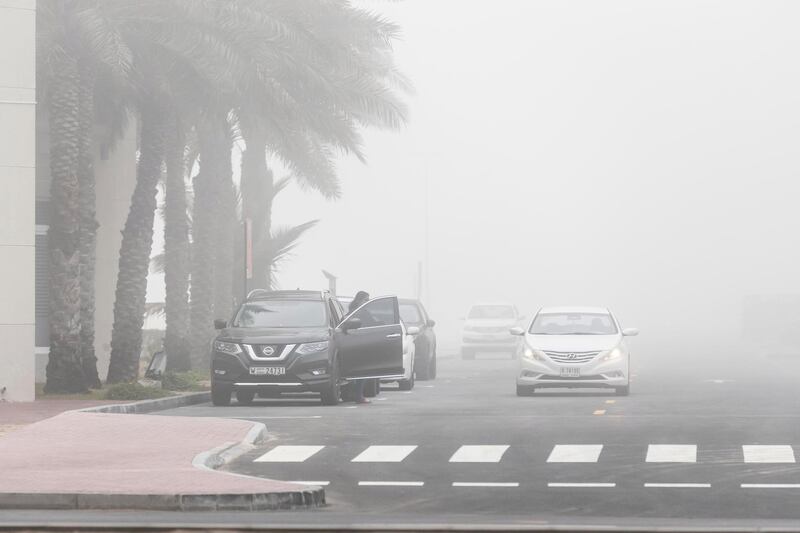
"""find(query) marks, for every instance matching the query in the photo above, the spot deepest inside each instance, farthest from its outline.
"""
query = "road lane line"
(599, 412)
(288, 454)
(768, 454)
(582, 485)
(575, 453)
(476, 484)
(671, 453)
(611, 401)
(384, 454)
(391, 483)
(678, 485)
(312, 483)
(770, 485)
(479, 454)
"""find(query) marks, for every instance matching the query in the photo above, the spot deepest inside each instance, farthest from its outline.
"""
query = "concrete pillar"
(17, 203)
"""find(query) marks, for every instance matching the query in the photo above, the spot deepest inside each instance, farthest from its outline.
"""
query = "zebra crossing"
(559, 453)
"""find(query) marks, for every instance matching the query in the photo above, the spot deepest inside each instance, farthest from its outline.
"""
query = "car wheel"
(622, 391)
(245, 397)
(467, 354)
(220, 397)
(407, 384)
(525, 390)
(330, 395)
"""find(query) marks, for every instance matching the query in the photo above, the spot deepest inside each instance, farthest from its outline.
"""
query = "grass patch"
(91, 395)
(184, 381)
(134, 392)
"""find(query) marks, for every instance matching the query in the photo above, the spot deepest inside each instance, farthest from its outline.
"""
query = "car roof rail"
(256, 293)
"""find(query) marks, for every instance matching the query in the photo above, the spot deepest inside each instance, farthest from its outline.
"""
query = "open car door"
(370, 341)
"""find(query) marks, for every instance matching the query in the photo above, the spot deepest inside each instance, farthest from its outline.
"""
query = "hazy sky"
(635, 154)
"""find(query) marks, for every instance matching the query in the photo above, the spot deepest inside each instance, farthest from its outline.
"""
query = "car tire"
(467, 353)
(245, 397)
(330, 395)
(622, 391)
(220, 397)
(525, 390)
(407, 384)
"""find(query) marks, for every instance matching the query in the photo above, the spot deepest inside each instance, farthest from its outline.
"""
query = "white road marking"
(582, 485)
(468, 484)
(288, 454)
(575, 453)
(274, 417)
(384, 454)
(312, 483)
(671, 453)
(768, 454)
(678, 485)
(479, 454)
(770, 485)
(391, 483)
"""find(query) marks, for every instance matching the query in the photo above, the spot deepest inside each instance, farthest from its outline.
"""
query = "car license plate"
(267, 370)
(570, 372)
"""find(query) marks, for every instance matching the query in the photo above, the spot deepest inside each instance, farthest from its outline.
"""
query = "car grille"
(571, 357)
(596, 377)
(258, 350)
(489, 329)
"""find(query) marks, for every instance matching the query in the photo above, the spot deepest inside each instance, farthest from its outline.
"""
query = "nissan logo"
(268, 351)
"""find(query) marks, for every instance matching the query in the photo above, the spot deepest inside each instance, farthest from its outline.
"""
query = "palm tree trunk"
(88, 225)
(64, 370)
(215, 150)
(176, 254)
(137, 243)
(257, 194)
(225, 226)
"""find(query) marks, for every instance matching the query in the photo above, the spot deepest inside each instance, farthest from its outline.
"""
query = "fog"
(640, 156)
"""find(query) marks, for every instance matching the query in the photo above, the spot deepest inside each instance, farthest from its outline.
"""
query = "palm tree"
(75, 41)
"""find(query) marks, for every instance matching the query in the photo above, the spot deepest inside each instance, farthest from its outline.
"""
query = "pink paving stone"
(77, 452)
(18, 413)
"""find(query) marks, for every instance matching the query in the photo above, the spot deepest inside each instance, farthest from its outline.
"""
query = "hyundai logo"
(268, 351)
(571, 356)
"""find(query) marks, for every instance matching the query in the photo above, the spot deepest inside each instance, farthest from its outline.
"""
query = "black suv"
(301, 341)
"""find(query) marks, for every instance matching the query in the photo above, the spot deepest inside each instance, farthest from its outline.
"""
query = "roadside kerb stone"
(149, 406)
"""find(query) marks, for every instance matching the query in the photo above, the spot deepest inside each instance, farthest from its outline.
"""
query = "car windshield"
(281, 314)
(410, 314)
(491, 311)
(573, 324)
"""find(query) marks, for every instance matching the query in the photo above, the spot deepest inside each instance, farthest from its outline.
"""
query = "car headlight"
(230, 348)
(616, 353)
(312, 347)
(533, 354)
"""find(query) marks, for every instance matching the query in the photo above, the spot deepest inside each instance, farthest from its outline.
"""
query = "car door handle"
(393, 336)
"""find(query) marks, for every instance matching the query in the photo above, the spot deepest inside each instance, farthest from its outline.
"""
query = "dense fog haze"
(637, 155)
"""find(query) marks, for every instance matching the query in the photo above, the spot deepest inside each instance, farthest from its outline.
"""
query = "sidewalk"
(14, 415)
(98, 460)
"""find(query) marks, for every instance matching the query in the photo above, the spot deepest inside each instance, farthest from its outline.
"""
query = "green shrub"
(183, 381)
(134, 391)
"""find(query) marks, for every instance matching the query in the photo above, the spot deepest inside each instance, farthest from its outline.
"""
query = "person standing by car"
(360, 299)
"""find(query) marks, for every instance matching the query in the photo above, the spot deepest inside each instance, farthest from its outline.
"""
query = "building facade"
(17, 203)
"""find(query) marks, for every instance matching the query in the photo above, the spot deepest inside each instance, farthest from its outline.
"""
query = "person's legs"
(358, 391)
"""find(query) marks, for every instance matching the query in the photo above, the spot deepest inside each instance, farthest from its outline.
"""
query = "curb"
(303, 498)
(148, 406)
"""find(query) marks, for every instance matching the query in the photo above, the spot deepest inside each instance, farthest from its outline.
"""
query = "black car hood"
(274, 335)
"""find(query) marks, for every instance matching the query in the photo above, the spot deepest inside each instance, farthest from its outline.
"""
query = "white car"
(486, 329)
(409, 353)
(572, 347)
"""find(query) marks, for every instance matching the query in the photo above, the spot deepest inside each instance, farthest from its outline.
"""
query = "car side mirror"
(431, 323)
(518, 331)
(351, 323)
(630, 332)
(220, 323)
(413, 330)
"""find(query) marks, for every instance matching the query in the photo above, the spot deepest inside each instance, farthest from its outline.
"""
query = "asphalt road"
(698, 442)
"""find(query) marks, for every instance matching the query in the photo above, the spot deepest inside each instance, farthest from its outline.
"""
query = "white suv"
(486, 329)
(574, 347)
